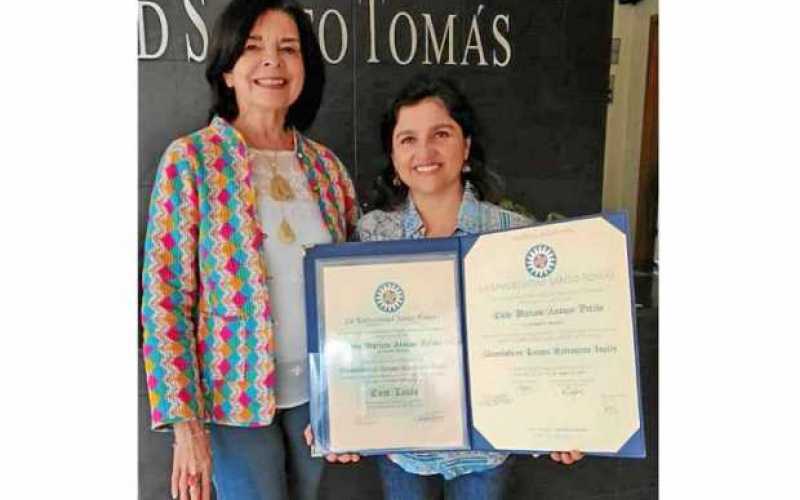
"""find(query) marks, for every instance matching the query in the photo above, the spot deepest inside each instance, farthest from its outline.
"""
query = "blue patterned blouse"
(473, 217)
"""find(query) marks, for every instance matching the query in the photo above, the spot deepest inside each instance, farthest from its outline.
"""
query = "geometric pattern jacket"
(209, 349)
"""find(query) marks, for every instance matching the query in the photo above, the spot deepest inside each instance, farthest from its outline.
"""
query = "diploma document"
(521, 340)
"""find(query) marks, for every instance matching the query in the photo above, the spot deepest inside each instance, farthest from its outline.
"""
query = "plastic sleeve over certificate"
(390, 353)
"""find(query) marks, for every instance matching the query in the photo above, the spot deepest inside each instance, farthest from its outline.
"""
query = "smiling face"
(269, 75)
(429, 148)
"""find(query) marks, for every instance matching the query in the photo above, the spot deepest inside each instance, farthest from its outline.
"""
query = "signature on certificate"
(492, 400)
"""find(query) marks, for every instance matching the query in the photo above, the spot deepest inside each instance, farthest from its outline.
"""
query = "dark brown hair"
(486, 184)
(227, 44)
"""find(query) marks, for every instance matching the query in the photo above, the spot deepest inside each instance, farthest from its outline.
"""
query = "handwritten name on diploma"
(549, 311)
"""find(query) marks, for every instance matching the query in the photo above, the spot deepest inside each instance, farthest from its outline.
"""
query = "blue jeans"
(251, 463)
(485, 485)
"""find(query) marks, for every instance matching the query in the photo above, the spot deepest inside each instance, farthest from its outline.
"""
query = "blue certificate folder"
(320, 256)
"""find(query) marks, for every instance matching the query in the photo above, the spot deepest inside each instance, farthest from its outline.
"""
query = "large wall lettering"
(429, 40)
(535, 70)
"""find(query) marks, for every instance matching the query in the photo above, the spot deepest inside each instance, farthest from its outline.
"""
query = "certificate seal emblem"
(389, 297)
(540, 261)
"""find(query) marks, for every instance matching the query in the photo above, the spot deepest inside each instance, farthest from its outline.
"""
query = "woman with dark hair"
(233, 204)
(436, 184)
(390, 193)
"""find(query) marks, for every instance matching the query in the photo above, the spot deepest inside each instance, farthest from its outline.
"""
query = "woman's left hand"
(342, 458)
(191, 462)
(566, 457)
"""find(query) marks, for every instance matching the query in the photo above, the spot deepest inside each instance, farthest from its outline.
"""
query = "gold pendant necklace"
(281, 190)
(285, 232)
(279, 187)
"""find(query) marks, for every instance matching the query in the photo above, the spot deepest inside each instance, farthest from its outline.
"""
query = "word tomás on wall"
(403, 37)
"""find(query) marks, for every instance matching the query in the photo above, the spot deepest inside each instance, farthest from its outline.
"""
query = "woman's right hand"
(191, 462)
(566, 457)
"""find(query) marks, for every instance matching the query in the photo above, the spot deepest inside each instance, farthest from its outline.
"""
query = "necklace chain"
(280, 190)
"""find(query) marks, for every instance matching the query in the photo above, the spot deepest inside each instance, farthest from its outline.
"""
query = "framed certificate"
(521, 340)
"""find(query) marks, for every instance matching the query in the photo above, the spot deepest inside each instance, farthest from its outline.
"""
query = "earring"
(396, 182)
(466, 168)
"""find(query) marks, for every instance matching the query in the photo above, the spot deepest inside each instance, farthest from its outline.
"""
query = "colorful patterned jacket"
(208, 339)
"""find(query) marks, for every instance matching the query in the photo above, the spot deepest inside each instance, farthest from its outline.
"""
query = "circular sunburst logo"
(389, 297)
(540, 261)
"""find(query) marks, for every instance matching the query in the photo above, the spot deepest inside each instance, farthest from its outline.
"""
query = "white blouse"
(284, 263)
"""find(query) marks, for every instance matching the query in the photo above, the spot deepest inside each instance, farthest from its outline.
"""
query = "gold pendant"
(279, 188)
(285, 233)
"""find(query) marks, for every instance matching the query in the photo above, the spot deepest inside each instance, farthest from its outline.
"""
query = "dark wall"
(543, 112)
